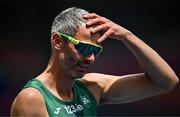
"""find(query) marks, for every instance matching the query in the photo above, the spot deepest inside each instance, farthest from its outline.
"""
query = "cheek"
(70, 64)
(73, 53)
(70, 61)
(70, 58)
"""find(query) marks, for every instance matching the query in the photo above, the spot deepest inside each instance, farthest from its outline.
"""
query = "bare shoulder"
(100, 79)
(28, 102)
(96, 78)
(95, 83)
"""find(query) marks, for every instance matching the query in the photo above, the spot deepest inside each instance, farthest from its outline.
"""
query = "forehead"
(84, 34)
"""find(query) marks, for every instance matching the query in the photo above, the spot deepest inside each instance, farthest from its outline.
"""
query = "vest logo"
(86, 101)
(70, 109)
(57, 110)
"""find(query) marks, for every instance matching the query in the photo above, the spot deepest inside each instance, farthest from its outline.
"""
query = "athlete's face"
(76, 63)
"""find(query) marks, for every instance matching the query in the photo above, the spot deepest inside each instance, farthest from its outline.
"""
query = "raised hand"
(106, 27)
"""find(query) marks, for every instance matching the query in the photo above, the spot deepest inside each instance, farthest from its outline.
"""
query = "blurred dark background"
(25, 47)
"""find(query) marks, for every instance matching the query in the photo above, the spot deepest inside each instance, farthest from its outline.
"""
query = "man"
(65, 89)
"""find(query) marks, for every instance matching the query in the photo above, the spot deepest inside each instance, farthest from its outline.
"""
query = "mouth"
(82, 67)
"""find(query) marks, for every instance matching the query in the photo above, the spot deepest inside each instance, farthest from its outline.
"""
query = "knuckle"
(94, 21)
(106, 19)
(103, 26)
(105, 35)
(102, 18)
(97, 19)
(109, 24)
(93, 13)
(112, 30)
(106, 26)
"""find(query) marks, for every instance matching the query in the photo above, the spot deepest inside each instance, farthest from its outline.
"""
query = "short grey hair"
(68, 21)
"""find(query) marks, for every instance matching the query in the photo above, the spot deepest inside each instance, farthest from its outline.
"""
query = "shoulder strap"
(50, 100)
(80, 84)
(33, 83)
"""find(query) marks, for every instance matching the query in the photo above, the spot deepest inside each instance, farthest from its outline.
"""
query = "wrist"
(125, 35)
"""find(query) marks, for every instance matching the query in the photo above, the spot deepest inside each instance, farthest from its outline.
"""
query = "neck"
(58, 80)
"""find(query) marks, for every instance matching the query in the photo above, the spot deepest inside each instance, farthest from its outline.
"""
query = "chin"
(77, 75)
(80, 75)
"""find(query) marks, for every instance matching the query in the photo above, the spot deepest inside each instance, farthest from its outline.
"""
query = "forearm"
(152, 64)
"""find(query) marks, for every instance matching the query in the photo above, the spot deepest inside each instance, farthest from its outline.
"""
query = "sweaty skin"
(67, 63)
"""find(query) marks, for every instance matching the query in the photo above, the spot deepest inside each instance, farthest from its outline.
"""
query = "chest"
(82, 106)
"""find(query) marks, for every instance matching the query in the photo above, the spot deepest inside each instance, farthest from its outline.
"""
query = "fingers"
(100, 28)
(91, 16)
(95, 19)
(105, 35)
(103, 25)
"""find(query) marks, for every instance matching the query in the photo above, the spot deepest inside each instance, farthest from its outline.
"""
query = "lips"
(82, 67)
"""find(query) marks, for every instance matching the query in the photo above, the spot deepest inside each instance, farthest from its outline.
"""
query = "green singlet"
(83, 103)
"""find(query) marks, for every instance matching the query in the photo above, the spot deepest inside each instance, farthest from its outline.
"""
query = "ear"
(56, 40)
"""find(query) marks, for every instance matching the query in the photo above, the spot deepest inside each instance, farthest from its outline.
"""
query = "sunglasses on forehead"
(84, 48)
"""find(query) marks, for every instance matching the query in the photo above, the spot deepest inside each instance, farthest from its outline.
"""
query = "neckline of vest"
(58, 99)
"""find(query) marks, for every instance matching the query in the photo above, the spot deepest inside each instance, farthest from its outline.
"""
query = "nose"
(90, 57)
